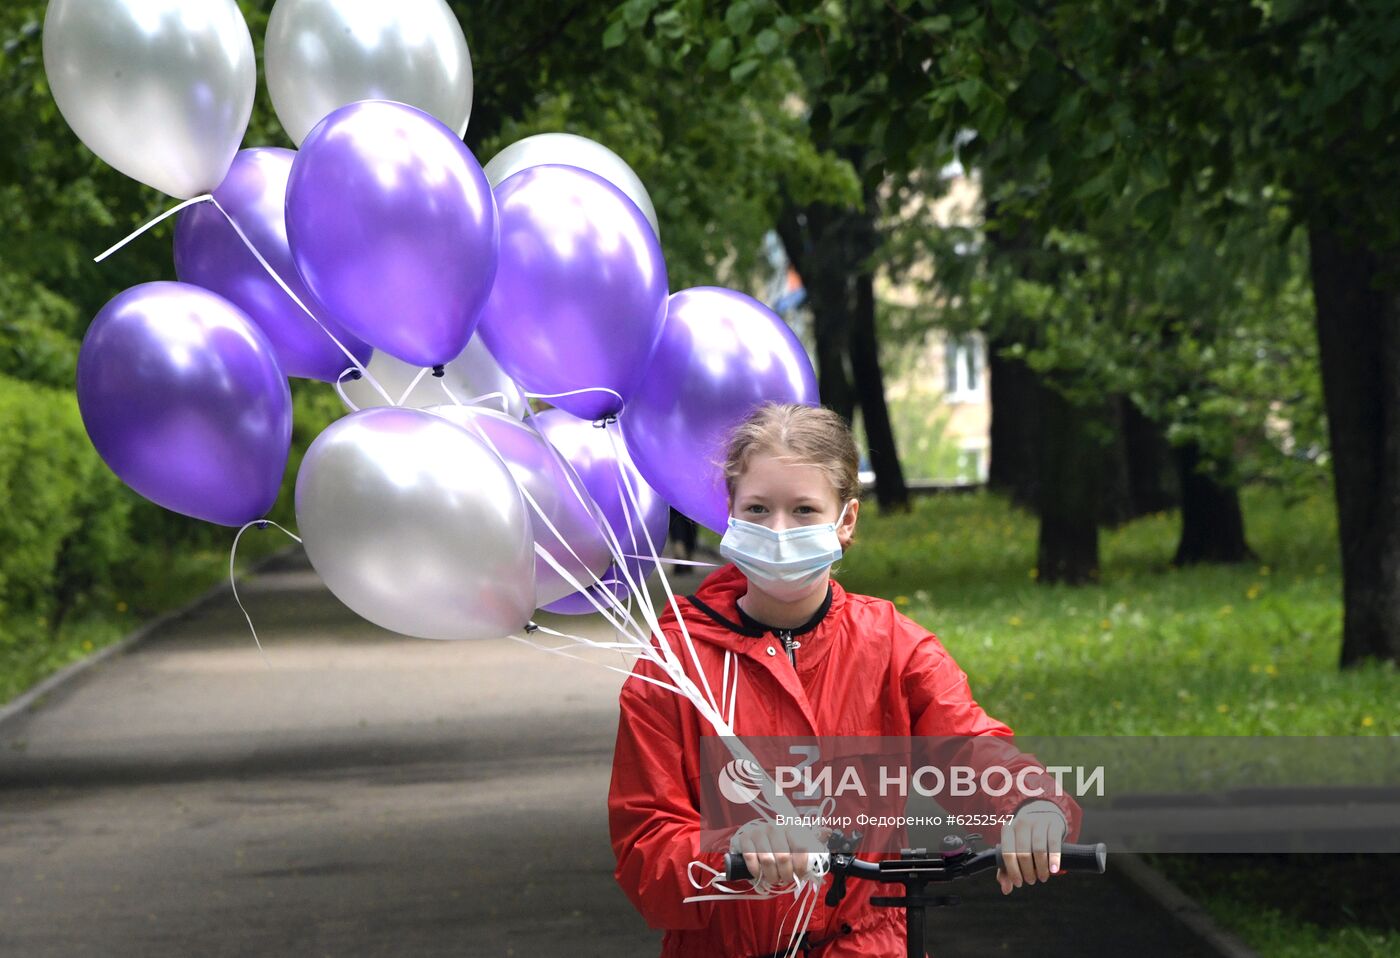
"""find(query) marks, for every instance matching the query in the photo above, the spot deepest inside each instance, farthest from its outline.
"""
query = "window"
(962, 360)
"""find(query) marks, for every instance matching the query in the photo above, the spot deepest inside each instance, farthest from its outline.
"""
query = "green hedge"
(83, 559)
(65, 528)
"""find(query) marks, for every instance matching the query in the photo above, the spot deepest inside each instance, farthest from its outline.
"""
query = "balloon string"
(665, 582)
(573, 392)
(340, 389)
(668, 663)
(475, 400)
(149, 223)
(667, 560)
(413, 385)
(615, 548)
(296, 299)
(233, 581)
(544, 518)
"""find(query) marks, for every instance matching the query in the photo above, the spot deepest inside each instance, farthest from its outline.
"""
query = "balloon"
(416, 526)
(594, 455)
(576, 603)
(581, 290)
(551, 482)
(567, 149)
(393, 228)
(183, 399)
(209, 253)
(160, 89)
(721, 354)
(324, 54)
(473, 373)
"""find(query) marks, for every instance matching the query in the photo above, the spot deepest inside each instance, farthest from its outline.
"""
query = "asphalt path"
(348, 792)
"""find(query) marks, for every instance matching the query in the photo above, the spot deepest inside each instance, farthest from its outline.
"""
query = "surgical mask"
(784, 563)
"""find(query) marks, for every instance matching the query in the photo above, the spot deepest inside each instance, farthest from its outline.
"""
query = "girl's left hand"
(1030, 845)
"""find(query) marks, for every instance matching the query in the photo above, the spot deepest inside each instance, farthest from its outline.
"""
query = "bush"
(66, 526)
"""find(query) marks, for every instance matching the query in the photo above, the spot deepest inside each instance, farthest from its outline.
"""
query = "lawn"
(1211, 650)
(1218, 650)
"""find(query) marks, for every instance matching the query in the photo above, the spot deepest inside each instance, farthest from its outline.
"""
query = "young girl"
(813, 660)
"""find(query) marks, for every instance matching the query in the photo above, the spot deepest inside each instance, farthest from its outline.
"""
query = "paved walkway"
(371, 795)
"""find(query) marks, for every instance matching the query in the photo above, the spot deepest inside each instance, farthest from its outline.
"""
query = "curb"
(1186, 910)
(32, 698)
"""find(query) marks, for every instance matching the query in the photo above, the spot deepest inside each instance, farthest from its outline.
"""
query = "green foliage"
(1148, 650)
(63, 525)
(1256, 897)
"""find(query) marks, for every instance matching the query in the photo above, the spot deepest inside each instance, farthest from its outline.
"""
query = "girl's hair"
(810, 435)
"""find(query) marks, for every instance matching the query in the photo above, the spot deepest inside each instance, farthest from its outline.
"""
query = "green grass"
(168, 581)
(1297, 906)
(1210, 650)
(1214, 650)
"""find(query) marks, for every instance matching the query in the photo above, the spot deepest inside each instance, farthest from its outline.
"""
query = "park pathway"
(361, 794)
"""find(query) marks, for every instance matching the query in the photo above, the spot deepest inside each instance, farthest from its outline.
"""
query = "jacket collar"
(718, 599)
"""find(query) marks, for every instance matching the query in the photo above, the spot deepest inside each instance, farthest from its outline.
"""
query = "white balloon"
(558, 492)
(568, 149)
(474, 377)
(160, 89)
(416, 526)
(323, 54)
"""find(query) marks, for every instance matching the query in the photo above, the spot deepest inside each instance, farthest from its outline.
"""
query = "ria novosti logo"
(741, 781)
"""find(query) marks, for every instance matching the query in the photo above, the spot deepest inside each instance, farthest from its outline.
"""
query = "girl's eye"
(805, 510)
(755, 508)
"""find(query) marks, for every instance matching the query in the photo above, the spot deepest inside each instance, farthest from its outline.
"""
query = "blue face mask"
(787, 563)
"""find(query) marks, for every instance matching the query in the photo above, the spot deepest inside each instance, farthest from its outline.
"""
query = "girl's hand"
(776, 855)
(1030, 845)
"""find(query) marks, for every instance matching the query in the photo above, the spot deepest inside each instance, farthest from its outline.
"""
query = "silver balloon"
(473, 374)
(414, 524)
(556, 489)
(323, 54)
(567, 149)
(160, 89)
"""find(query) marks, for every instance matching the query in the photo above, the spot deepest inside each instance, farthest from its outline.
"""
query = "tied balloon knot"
(604, 423)
(531, 628)
(356, 374)
(439, 371)
(261, 523)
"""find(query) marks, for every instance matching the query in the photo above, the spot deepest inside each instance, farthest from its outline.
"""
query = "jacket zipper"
(790, 644)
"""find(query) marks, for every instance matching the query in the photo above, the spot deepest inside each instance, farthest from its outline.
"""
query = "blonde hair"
(810, 435)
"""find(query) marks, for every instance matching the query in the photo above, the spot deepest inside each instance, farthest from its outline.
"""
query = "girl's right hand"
(777, 854)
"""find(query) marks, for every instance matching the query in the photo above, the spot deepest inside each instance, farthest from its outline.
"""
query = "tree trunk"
(1152, 471)
(1015, 467)
(1212, 525)
(812, 239)
(1115, 491)
(890, 490)
(1071, 460)
(1359, 347)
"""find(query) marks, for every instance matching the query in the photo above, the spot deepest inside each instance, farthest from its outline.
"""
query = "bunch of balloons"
(439, 298)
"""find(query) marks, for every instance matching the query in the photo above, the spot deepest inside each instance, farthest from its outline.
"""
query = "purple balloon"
(576, 603)
(550, 482)
(581, 290)
(209, 253)
(721, 354)
(393, 228)
(183, 399)
(590, 450)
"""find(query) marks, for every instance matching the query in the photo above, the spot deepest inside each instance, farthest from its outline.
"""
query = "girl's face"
(780, 494)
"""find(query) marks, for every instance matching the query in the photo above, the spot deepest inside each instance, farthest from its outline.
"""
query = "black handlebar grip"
(1082, 858)
(734, 867)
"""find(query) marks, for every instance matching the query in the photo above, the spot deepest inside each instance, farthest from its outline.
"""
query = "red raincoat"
(862, 669)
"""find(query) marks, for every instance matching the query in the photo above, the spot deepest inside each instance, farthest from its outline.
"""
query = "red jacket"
(862, 669)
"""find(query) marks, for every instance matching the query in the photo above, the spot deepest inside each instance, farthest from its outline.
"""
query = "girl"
(813, 660)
